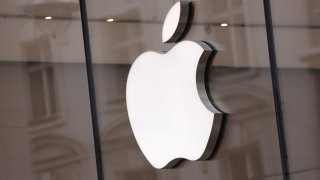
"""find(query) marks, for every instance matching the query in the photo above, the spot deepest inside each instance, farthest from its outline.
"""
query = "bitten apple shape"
(169, 103)
(168, 118)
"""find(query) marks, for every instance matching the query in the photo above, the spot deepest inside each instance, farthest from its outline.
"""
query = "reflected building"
(45, 117)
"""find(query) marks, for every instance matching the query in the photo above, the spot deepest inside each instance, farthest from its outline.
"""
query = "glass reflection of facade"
(48, 114)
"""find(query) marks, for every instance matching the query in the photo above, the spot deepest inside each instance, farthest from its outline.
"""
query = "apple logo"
(170, 108)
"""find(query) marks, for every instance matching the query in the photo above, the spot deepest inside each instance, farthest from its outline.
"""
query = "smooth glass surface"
(240, 83)
(45, 123)
(297, 41)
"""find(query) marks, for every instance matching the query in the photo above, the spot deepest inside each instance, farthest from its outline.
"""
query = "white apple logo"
(168, 103)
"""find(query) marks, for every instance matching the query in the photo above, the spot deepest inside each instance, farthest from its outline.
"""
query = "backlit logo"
(169, 104)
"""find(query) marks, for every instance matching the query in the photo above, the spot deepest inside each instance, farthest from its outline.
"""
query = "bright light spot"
(48, 17)
(224, 24)
(110, 20)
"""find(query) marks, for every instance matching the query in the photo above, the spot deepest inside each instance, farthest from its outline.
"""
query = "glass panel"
(297, 32)
(37, 94)
(45, 123)
(240, 82)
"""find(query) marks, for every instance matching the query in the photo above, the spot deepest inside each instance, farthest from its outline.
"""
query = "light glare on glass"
(224, 24)
(110, 20)
(48, 17)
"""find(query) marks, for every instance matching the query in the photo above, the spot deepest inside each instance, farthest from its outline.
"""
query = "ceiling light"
(110, 20)
(48, 17)
(224, 24)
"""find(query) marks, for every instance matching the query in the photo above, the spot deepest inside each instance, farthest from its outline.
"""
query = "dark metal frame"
(92, 95)
(276, 89)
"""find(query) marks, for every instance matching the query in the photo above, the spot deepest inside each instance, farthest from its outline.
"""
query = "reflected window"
(42, 82)
(43, 93)
(56, 157)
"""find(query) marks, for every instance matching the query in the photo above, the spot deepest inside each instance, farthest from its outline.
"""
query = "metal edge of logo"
(185, 20)
(220, 118)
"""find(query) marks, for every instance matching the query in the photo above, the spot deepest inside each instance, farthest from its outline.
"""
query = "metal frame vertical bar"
(92, 96)
(276, 90)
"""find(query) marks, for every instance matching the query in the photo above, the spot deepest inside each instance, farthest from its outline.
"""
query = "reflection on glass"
(45, 123)
(297, 34)
(240, 83)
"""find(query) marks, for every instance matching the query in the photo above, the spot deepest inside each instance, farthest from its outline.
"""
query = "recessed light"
(110, 20)
(48, 17)
(224, 24)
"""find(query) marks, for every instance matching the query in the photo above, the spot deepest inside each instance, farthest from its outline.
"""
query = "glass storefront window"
(240, 83)
(297, 33)
(45, 122)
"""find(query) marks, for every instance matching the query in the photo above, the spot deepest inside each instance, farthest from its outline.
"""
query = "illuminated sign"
(168, 101)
